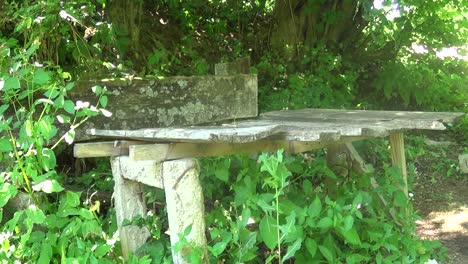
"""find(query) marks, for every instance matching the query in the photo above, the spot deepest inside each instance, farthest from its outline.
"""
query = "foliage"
(52, 226)
(349, 54)
(279, 209)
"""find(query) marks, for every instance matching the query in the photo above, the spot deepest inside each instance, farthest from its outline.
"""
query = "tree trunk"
(336, 24)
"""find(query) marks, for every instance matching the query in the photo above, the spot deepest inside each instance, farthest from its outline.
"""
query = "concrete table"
(166, 157)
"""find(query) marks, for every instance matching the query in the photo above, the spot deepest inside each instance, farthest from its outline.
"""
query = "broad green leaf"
(83, 212)
(5, 145)
(35, 214)
(48, 159)
(63, 119)
(288, 230)
(59, 102)
(103, 101)
(348, 222)
(378, 258)
(48, 186)
(69, 107)
(90, 228)
(315, 207)
(3, 108)
(46, 128)
(46, 253)
(41, 77)
(7, 191)
(69, 200)
(400, 199)
(326, 253)
(247, 250)
(292, 250)
(220, 246)
(325, 223)
(102, 250)
(268, 231)
(97, 89)
(311, 246)
(222, 172)
(69, 86)
(52, 93)
(11, 83)
(351, 236)
(246, 213)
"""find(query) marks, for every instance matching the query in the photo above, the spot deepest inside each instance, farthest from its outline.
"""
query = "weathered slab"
(148, 172)
(103, 149)
(129, 203)
(173, 101)
(300, 125)
(351, 116)
(185, 208)
(163, 152)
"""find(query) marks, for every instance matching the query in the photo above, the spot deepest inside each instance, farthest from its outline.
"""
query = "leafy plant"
(279, 210)
(51, 226)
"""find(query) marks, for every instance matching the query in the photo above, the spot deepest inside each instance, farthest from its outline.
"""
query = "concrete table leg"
(184, 199)
(397, 145)
(129, 203)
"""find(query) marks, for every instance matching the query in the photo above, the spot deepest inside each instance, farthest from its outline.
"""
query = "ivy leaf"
(268, 231)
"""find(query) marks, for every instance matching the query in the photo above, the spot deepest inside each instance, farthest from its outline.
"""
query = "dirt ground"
(441, 197)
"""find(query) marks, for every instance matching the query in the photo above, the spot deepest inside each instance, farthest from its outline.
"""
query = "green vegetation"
(324, 54)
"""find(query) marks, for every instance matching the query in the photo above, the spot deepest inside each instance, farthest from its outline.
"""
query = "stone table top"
(295, 125)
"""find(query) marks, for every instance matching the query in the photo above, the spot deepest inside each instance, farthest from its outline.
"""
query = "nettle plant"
(52, 226)
(279, 211)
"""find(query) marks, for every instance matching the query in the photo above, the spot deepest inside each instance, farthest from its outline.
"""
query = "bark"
(311, 22)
